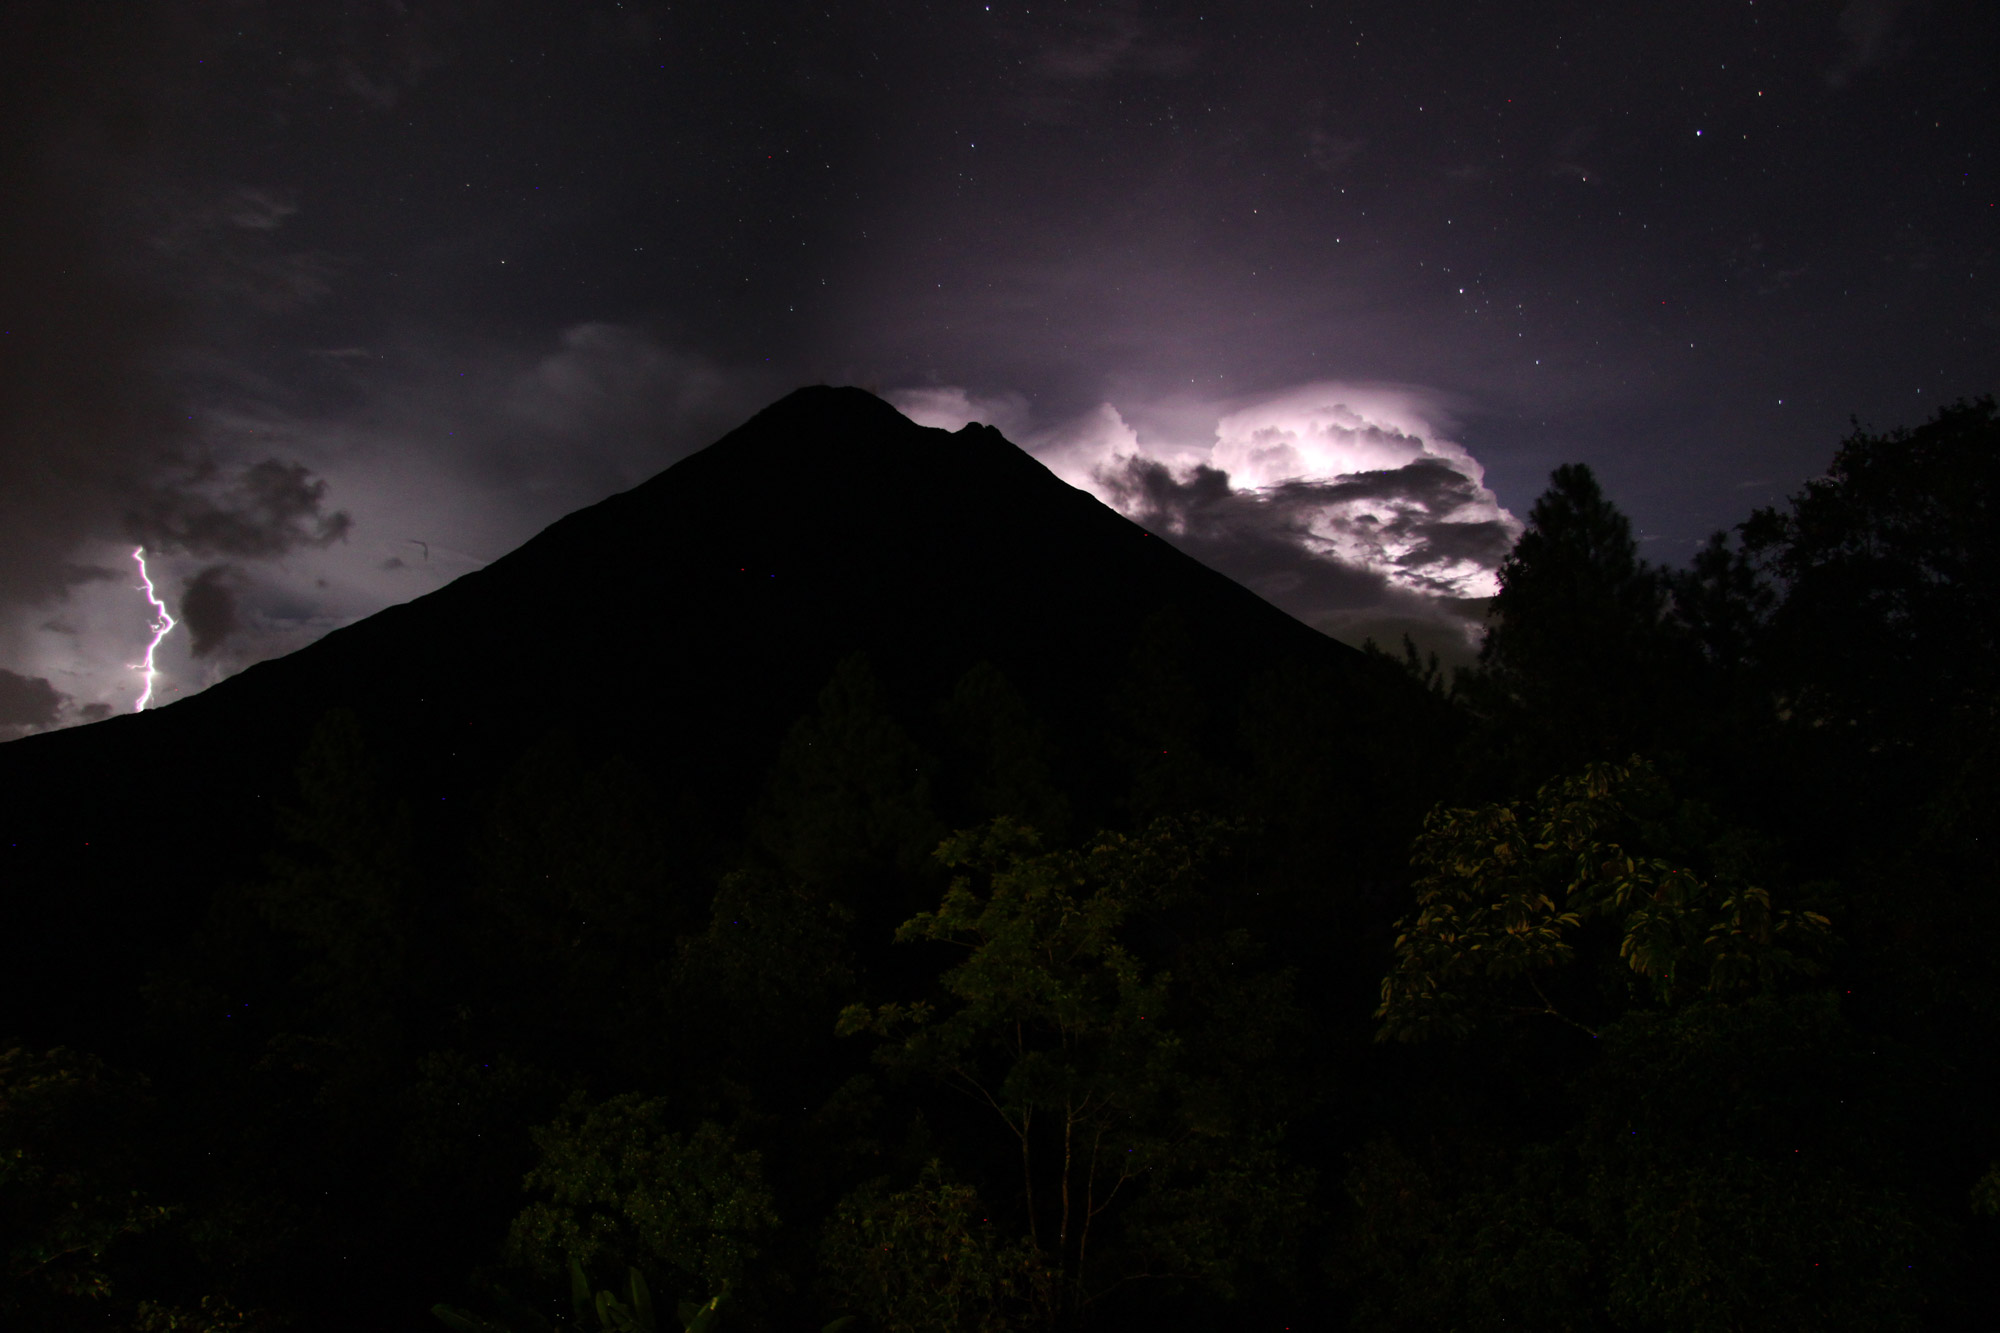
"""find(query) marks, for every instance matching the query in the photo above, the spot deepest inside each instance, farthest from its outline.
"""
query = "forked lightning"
(163, 624)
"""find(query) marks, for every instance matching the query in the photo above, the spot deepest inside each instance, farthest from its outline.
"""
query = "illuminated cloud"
(1346, 505)
(1362, 476)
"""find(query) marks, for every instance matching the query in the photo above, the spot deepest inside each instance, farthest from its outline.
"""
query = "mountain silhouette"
(685, 624)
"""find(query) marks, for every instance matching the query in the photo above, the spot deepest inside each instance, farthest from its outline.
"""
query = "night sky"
(327, 304)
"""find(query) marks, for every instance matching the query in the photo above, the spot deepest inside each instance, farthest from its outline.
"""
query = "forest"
(1642, 976)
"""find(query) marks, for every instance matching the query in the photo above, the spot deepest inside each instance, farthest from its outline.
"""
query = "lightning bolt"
(163, 624)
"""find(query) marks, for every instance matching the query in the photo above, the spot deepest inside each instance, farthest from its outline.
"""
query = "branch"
(1550, 1009)
(969, 1085)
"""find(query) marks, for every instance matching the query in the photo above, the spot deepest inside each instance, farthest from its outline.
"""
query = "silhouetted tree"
(1889, 569)
(1577, 661)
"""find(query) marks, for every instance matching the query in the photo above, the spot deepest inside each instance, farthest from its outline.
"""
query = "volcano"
(685, 624)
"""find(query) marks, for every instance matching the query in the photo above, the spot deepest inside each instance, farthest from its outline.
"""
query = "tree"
(928, 1260)
(1166, 734)
(1716, 1157)
(850, 795)
(575, 887)
(1881, 652)
(1006, 752)
(1135, 1099)
(619, 1187)
(1505, 893)
(71, 1160)
(1714, 1174)
(1576, 662)
(1889, 569)
(762, 979)
(1722, 603)
(343, 891)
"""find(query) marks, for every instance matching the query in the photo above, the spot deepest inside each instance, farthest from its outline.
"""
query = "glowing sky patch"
(1369, 480)
(1358, 475)
(163, 624)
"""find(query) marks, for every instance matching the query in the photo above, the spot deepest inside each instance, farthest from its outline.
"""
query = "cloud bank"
(1345, 505)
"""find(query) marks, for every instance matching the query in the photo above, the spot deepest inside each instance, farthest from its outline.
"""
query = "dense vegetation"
(1642, 977)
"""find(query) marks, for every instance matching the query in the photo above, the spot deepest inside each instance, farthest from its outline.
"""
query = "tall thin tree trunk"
(1028, 1178)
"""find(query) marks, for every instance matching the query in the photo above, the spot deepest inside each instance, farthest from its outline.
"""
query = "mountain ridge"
(686, 623)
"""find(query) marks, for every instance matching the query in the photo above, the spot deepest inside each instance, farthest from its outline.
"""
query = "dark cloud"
(209, 607)
(1430, 483)
(1245, 535)
(227, 248)
(1480, 542)
(1399, 517)
(82, 413)
(1409, 518)
(27, 703)
(1147, 490)
(268, 509)
(1368, 555)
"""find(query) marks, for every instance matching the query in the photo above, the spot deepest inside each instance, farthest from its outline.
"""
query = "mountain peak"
(685, 624)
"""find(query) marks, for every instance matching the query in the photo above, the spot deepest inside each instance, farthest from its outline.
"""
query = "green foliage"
(635, 1316)
(928, 1260)
(464, 1321)
(465, 1122)
(1108, 1073)
(1009, 753)
(1709, 1183)
(1166, 721)
(575, 875)
(343, 892)
(1493, 1252)
(1225, 1213)
(70, 1169)
(1986, 1192)
(1505, 891)
(602, 1308)
(617, 1183)
(1730, 1184)
(768, 970)
(212, 1315)
(849, 795)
